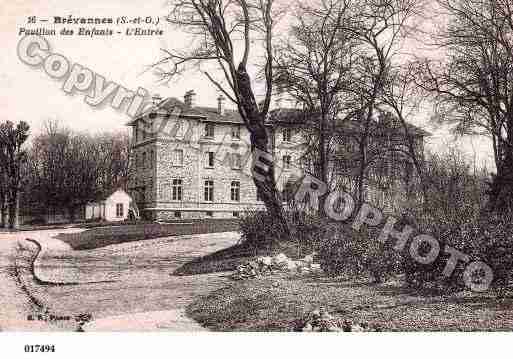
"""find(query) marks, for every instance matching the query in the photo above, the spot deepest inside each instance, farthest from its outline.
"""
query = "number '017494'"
(37, 348)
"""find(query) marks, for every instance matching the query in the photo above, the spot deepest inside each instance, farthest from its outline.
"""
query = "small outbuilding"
(116, 207)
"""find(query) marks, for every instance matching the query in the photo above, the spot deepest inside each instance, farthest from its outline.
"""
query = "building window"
(209, 129)
(210, 159)
(144, 160)
(236, 131)
(177, 158)
(286, 162)
(236, 161)
(178, 214)
(152, 157)
(235, 191)
(210, 214)
(164, 190)
(287, 135)
(209, 191)
(236, 214)
(119, 210)
(177, 190)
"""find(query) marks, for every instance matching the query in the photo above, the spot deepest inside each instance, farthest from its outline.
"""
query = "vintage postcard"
(256, 166)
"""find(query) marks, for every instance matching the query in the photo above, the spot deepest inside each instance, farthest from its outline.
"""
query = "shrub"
(261, 230)
(482, 236)
(488, 238)
(455, 213)
(345, 251)
(307, 231)
(340, 250)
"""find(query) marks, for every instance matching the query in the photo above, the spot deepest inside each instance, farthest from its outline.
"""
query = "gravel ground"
(16, 304)
(119, 280)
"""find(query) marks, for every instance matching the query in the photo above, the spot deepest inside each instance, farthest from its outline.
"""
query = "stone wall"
(157, 177)
(153, 179)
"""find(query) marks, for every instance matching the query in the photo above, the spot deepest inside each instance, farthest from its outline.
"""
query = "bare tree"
(473, 84)
(380, 26)
(12, 159)
(112, 157)
(3, 190)
(68, 169)
(403, 97)
(217, 28)
(65, 169)
(314, 68)
(339, 64)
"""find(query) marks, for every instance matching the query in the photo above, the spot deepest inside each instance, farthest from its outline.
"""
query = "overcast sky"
(29, 94)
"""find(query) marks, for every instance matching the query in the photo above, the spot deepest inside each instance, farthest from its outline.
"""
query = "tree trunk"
(3, 214)
(13, 210)
(16, 220)
(361, 172)
(12, 213)
(323, 163)
(267, 187)
(71, 212)
(255, 123)
(501, 192)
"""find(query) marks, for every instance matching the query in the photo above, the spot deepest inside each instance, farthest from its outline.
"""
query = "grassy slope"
(273, 303)
(104, 236)
(228, 259)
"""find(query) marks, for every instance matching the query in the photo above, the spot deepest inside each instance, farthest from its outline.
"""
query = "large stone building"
(191, 161)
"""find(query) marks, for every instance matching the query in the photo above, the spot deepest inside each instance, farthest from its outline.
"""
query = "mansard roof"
(203, 113)
(298, 117)
(281, 116)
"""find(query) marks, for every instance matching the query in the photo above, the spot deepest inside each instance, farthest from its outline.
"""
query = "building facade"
(194, 162)
(191, 161)
(114, 208)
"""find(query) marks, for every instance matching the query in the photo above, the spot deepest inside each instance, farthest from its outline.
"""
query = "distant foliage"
(67, 169)
(456, 213)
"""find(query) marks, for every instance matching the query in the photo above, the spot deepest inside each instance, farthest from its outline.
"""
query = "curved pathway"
(18, 310)
(127, 286)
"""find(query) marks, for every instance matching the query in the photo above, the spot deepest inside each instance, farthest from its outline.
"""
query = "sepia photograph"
(270, 166)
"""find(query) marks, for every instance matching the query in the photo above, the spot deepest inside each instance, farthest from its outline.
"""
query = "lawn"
(228, 259)
(225, 260)
(274, 303)
(105, 236)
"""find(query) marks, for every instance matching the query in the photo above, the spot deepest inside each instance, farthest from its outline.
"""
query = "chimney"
(190, 99)
(156, 99)
(220, 105)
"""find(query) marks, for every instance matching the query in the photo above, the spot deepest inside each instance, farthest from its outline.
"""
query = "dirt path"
(127, 286)
(18, 311)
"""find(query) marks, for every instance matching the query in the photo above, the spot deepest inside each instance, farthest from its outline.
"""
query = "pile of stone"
(321, 321)
(278, 263)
